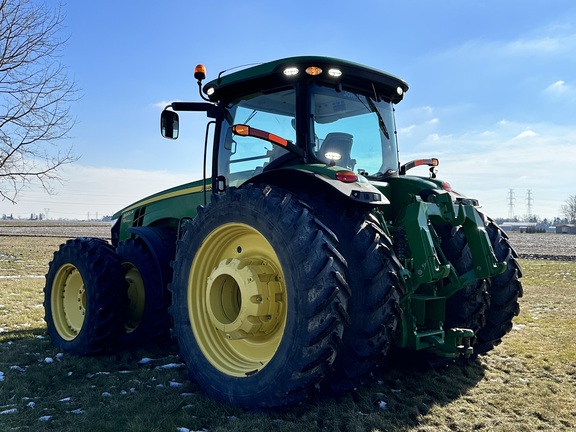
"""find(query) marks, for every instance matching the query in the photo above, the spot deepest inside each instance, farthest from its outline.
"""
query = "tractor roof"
(283, 72)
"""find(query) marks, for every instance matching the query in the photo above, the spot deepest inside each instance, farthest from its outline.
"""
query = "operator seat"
(341, 143)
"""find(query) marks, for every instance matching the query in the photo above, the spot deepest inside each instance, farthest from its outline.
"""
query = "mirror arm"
(191, 106)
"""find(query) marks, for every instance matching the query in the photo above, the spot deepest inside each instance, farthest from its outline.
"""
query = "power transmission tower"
(511, 203)
(529, 205)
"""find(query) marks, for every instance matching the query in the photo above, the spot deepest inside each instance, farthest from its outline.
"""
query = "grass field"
(528, 383)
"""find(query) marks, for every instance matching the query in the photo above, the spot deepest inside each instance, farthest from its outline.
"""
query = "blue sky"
(492, 89)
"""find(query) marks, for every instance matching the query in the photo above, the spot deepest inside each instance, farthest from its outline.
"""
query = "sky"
(492, 90)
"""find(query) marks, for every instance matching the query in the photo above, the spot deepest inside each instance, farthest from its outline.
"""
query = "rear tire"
(147, 322)
(467, 307)
(505, 289)
(374, 276)
(84, 297)
(259, 298)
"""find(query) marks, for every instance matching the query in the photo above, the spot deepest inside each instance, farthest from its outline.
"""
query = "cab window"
(243, 157)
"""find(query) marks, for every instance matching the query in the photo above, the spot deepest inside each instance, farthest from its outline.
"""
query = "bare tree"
(569, 209)
(35, 96)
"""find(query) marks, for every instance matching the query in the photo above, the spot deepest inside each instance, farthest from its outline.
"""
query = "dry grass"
(528, 383)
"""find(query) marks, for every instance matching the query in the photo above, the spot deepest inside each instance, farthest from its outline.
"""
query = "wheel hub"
(68, 302)
(136, 297)
(244, 298)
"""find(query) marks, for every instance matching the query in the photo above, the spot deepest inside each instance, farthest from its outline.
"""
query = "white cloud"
(558, 87)
(525, 134)
(547, 44)
(406, 131)
(427, 110)
(161, 104)
(486, 164)
(560, 91)
(544, 45)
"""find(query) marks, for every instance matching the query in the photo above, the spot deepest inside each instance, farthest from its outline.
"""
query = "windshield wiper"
(251, 116)
(383, 127)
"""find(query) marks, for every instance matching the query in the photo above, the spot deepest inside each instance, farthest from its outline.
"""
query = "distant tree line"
(569, 209)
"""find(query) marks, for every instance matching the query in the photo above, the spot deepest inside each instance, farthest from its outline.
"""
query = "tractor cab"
(304, 110)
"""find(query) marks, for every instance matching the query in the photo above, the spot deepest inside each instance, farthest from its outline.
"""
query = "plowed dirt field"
(530, 246)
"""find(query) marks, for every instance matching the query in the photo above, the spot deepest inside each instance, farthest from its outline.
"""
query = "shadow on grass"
(395, 397)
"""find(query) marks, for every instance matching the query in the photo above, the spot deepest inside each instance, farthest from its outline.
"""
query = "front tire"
(84, 297)
(259, 298)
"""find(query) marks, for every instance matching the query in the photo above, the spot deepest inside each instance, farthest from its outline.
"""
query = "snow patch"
(9, 411)
(170, 366)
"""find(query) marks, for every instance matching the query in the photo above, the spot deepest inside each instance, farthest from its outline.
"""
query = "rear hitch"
(457, 343)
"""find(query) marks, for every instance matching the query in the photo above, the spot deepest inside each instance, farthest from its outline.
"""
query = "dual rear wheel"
(97, 298)
(485, 306)
(84, 299)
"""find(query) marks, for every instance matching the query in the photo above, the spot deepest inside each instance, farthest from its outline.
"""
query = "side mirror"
(169, 124)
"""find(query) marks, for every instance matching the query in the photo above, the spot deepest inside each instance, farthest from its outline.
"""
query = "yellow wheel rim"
(237, 300)
(68, 301)
(136, 297)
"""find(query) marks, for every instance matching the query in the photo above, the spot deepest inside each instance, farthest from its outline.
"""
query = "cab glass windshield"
(353, 131)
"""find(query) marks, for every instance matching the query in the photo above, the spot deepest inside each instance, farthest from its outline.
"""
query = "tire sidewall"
(74, 253)
(136, 253)
(252, 390)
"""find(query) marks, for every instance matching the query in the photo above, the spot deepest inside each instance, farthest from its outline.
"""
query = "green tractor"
(306, 254)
